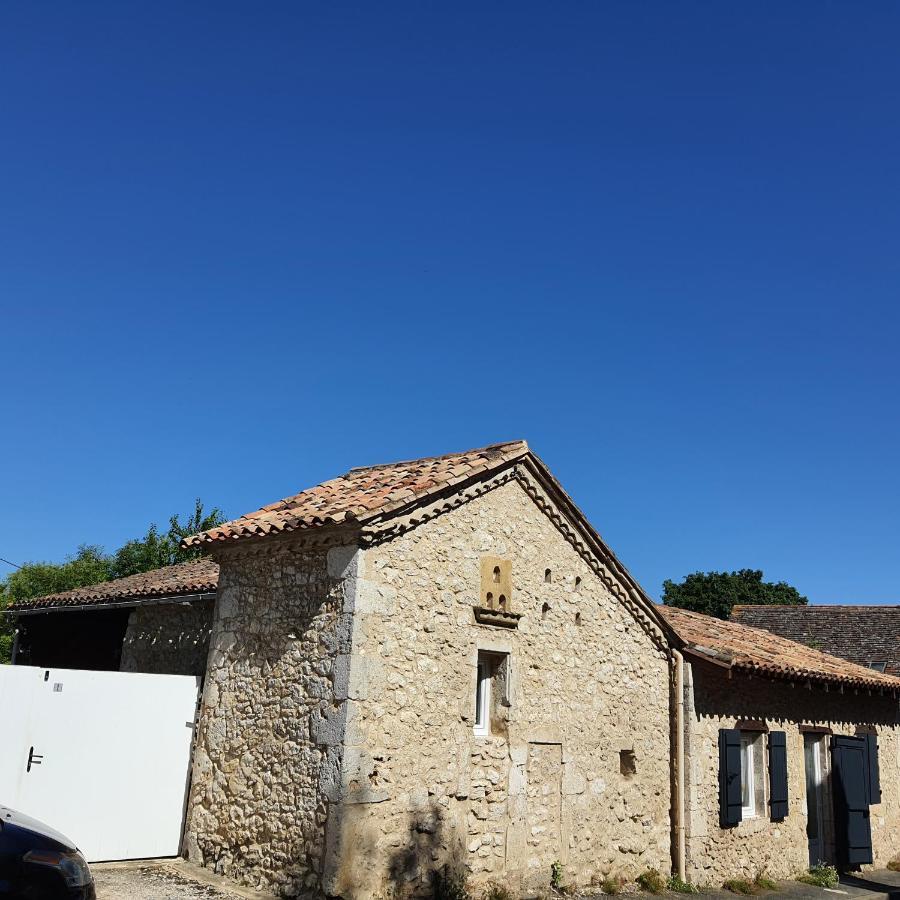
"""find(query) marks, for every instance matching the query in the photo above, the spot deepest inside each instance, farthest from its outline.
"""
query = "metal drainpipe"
(679, 765)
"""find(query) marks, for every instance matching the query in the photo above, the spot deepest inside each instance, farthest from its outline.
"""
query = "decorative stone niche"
(495, 603)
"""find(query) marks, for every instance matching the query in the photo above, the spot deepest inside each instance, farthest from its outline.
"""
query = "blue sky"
(244, 247)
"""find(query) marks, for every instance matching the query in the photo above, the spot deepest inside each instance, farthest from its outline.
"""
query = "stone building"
(808, 744)
(438, 665)
(427, 664)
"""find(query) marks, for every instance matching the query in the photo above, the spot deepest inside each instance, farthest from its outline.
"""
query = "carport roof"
(758, 652)
(199, 576)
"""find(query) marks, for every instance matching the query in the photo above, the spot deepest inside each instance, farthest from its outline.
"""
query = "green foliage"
(820, 875)
(556, 875)
(739, 886)
(715, 593)
(677, 886)
(155, 550)
(493, 890)
(894, 864)
(90, 565)
(651, 882)
(763, 882)
(612, 884)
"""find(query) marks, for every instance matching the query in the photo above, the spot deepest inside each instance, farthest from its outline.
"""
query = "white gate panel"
(110, 757)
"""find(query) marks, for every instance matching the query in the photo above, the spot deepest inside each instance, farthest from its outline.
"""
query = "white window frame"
(482, 699)
(751, 744)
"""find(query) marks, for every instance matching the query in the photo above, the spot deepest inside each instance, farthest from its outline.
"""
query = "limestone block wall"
(714, 701)
(168, 638)
(585, 683)
(269, 742)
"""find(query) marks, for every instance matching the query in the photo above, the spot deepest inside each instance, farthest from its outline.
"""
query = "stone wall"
(269, 743)
(585, 683)
(168, 638)
(714, 701)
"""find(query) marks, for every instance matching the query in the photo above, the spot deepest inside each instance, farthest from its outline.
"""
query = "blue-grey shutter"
(729, 777)
(872, 766)
(778, 775)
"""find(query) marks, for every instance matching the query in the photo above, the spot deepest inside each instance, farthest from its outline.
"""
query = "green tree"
(715, 593)
(155, 550)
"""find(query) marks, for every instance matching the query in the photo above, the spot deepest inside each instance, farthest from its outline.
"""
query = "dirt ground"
(167, 881)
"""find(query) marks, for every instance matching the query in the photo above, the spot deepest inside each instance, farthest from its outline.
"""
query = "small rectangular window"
(483, 697)
(878, 666)
(491, 693)
(752, 774)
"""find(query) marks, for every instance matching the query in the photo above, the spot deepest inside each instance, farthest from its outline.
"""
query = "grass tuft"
(651, 882)
(740, 886)
(677, 886)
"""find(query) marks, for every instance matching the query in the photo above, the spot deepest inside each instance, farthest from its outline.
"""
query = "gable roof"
(757, 652)
(364, 494)
(862, 634)
(372, 495)
(199, 576)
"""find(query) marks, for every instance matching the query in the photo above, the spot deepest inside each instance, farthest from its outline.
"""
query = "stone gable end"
(583, 686)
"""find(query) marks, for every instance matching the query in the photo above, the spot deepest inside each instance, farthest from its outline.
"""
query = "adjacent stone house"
(866, 635)
(438, 665)
(792, 756)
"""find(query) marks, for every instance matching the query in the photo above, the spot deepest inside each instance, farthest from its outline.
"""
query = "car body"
(39, 863)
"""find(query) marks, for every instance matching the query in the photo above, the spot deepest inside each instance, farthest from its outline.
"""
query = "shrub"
(739, 886)
(612, 884)
(556, 875)
(651, 882)
(678, 886)
(894, 864)
(495, 891)
(820, 876)
(764, 883)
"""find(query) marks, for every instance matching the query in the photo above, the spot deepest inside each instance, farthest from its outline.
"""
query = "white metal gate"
(103, 757)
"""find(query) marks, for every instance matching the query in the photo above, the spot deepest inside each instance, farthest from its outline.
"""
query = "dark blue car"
(38, 863)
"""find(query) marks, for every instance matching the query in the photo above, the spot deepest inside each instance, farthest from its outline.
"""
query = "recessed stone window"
(491, 693)
(627, 763)
(578, 619)
(545, 609)
(548, 576)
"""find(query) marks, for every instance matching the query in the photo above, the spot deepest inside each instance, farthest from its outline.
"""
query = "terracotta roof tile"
(755, 651)
(200, 576)
(364, 493)
(862, 634)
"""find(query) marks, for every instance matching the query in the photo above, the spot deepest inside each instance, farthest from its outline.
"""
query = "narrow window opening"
(578, 619)
(490, 599)
(496, 574)
(577, 582)
(548, 576)
(491, 693)
(753, 780)
(502, 601)
(544, 610)
(627, 763)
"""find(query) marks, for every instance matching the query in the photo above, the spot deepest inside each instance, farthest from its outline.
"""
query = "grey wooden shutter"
(729, 777)
(853, 829)
(778, 775)
(872, 766)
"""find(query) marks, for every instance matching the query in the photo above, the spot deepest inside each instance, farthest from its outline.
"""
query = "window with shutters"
(753, 779)
(491, 693)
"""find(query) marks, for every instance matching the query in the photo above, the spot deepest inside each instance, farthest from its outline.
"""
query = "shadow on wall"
(420, 855)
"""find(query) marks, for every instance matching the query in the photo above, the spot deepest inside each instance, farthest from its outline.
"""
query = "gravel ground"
(158, 882)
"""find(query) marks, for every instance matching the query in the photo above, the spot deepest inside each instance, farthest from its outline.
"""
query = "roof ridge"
(422, 459)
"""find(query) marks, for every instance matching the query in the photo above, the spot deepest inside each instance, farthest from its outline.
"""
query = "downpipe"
(679, 825)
